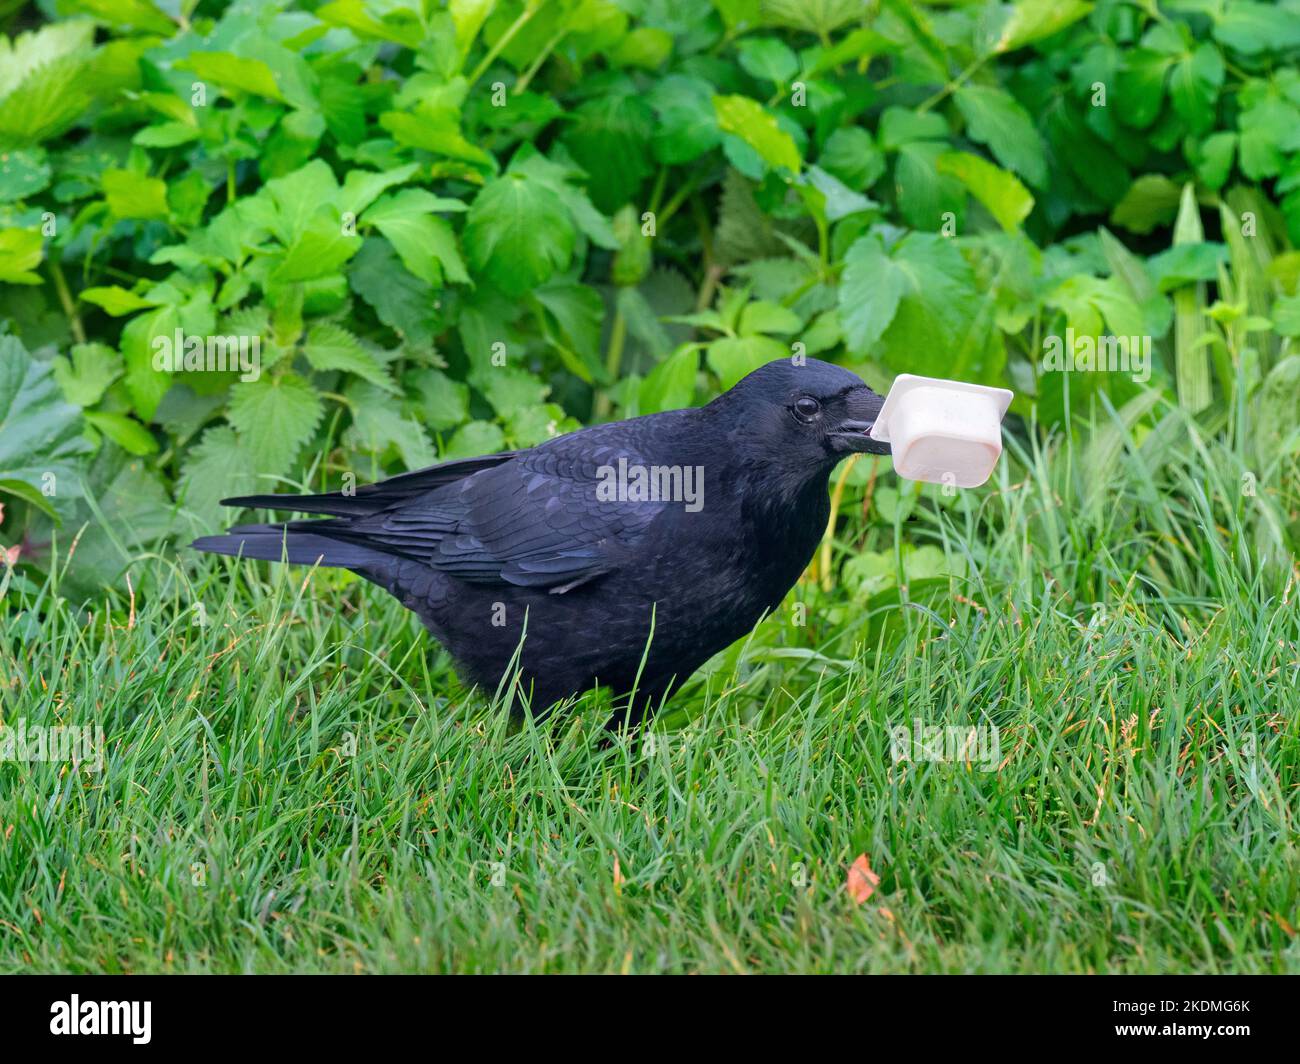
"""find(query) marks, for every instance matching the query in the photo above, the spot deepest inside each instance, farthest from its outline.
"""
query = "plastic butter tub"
(943, 432)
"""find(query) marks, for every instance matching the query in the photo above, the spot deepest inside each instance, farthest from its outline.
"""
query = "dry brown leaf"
(862, 880)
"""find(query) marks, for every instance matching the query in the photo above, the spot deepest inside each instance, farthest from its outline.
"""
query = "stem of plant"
(522, 84)
(65, 298)
(524, 18)
(953, 85)
(828, 541)
(613, 360)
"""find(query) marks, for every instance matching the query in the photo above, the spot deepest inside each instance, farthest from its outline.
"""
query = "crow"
(622, 555)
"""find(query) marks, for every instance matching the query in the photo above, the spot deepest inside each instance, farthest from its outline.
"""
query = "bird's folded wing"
(541, 520)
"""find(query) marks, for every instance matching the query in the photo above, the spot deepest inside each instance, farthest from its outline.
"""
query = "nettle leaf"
(43, 87)
(609, 137)
(590, 222)
(577, 311)
(130, 435)
(1032, 20)
(761, 316)
(29, 52)
(748, 120)
(1094, 305)
(400, 300)
(378, 423)
(425, 242)
(145, 384)
(935, 328)
(828, 197)
(133, 195)
(397, 24)
(734, 357)
(1152, 200)
(472, 439)
(995, 118)
(535, 424)
(870, 288)
(671, 384)
(215, 468)
(133, 14)
(851, 155)
(813, 16)
(40, 433)
(1001, 193)
(23, 174)
(166, 135)
(331, 347)
(646, 47)
(688, 123)
(924, 194)
(1268, 124)
(519, 233)
(21, 251)
(436, 132)
(1187, 264)
(85, 374)
(318, 251)
(768, 59)
(1194, 86)
(274, 417)
(468, 17)
(362, 187)
(1089, 159)
(441, 402)
(115, 300)
(234, 72)
(1251, 27)
(899, 126)
(509, 389)
(1140, 83)
(132, 511)
(343, 105)
(288, 205)
(1213, 158)
(1286, 315)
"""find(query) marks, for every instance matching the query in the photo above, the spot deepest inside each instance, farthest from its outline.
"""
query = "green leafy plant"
(458, 227)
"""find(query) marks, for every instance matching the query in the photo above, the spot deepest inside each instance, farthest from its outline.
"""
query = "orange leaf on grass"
(862, 880)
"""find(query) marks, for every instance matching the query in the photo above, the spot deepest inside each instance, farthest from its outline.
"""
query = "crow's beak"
(852, 435)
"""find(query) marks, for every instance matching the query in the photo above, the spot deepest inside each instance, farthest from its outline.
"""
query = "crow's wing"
(537, 520)
(370, 498)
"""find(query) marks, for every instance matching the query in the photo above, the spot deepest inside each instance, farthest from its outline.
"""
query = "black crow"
(693, 523)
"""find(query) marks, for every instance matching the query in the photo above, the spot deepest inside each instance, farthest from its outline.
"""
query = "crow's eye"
(806, 408)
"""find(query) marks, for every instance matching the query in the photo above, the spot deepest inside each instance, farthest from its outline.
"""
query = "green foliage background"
(459, 227)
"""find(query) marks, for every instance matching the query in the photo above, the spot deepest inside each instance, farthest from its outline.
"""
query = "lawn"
(294, 780)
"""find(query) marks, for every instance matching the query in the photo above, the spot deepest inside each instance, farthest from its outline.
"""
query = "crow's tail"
(329, 542)
(281, 543)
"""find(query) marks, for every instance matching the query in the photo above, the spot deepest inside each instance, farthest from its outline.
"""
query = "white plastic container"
(943, 432)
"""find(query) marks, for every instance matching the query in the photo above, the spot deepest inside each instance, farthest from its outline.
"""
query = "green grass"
(1126, 630)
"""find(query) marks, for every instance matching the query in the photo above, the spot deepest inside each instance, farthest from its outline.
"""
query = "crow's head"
(807, 415)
